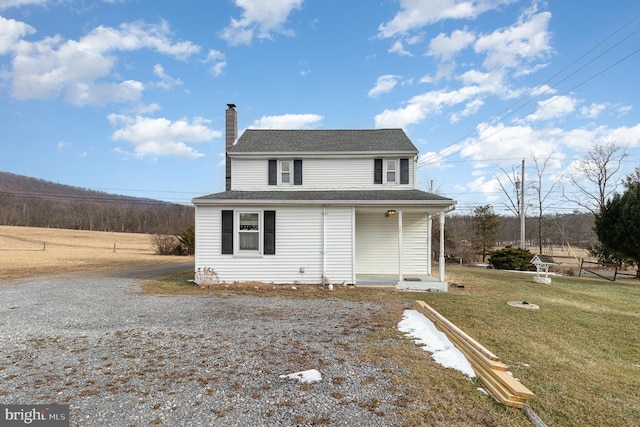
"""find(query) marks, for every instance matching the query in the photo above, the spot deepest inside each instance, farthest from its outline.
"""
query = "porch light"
(390, 212)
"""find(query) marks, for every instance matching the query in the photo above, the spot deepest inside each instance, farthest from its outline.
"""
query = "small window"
(391, 171)
(249, 232)
(285, 171)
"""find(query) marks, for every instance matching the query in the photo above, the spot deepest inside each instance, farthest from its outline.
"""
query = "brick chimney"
(231, 134)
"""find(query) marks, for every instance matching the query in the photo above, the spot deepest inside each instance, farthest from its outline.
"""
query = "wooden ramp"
(499, 383)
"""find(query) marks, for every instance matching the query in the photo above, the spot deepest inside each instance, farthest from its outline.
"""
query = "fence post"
(581, 263)
(114, 247)
(44, 245)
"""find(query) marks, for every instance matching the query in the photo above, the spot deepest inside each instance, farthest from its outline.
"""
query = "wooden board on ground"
(492, 372)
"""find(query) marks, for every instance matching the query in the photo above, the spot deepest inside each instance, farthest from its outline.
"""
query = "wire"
(457, 146)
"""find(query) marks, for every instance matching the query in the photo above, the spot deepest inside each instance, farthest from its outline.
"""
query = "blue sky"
(128, 96)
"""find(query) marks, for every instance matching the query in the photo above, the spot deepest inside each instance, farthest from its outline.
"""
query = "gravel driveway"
(121, 358)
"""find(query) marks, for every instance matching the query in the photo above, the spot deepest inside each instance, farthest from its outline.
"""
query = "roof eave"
(203, 201)
(319, 154)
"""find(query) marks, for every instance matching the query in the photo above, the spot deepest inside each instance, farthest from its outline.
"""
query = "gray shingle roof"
(323, 141)
(357, 197)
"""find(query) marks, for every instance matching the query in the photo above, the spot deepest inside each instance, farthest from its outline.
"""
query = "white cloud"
(10, 32)
(79, 93)
(5, 4)
(52, 66)
(500, 144)
(166, 81)
(161, 137)
(624, 110)
(507, 52)
(398, 47)
(288, 121)
(415, 14)
(428, 104)
(260, 18)
(61, 146)
(525, 41)
(384, 84)
(218, 68)
(218, 59)
(542, 90)
(470, 109)
(553, 108)
(446, 47)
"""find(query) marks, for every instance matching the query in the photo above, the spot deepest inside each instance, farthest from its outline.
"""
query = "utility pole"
(522, 209)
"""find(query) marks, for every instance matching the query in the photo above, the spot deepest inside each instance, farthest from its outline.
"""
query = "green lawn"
(580, 353)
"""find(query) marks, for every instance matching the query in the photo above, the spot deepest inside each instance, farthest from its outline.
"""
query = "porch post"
(429, 239)
(441, 246)
(399, 246)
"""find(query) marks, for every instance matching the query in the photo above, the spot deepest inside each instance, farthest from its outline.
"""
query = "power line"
(455, 147)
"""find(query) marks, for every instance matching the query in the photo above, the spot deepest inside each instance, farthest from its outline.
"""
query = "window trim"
(400, 171)
(230, 233)
(237, 232)
(388, 170)
(281, 171)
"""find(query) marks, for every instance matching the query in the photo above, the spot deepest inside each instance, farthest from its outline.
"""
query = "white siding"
(250, 174)
(298, 245)
(339, 245)
(414, 244)
(317, 174)
(376, 243)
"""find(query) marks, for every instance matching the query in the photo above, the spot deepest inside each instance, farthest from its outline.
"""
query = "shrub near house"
(511, 258)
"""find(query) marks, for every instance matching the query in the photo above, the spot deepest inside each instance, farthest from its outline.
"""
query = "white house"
(320, 206)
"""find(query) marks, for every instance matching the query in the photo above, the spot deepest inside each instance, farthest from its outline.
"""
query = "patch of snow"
(310, 376)
(423, 331)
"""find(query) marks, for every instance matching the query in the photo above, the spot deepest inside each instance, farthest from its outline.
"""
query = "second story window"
(285, 171)
(391, 171)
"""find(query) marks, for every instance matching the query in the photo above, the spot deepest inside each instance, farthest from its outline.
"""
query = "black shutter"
(273, 172)
(377, 171)
(404, 171)
(227, 232)
(297, 172)
(269, 232)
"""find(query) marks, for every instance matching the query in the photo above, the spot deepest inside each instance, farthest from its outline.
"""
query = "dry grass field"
(29, 251)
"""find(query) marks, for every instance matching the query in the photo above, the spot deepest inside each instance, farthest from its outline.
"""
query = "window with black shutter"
(227, 232)
(297, 172)
(404, 171)
(377, 171)
(269, 232)
(273, 172)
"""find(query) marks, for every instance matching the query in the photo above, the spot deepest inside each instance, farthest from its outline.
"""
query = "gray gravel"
(121, 358)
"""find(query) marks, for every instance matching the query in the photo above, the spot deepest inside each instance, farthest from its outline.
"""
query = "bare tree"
(511, 189)
(543, 191)
(596, 175)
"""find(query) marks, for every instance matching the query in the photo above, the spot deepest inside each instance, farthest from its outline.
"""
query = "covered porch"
(394, 248)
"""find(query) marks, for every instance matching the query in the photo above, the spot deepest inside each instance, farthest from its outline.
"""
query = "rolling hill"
(35, 202)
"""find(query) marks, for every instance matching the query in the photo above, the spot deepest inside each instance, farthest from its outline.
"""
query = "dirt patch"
(30, 251)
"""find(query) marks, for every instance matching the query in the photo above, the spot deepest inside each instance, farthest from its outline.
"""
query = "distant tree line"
(467, 237)
(36, 203)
